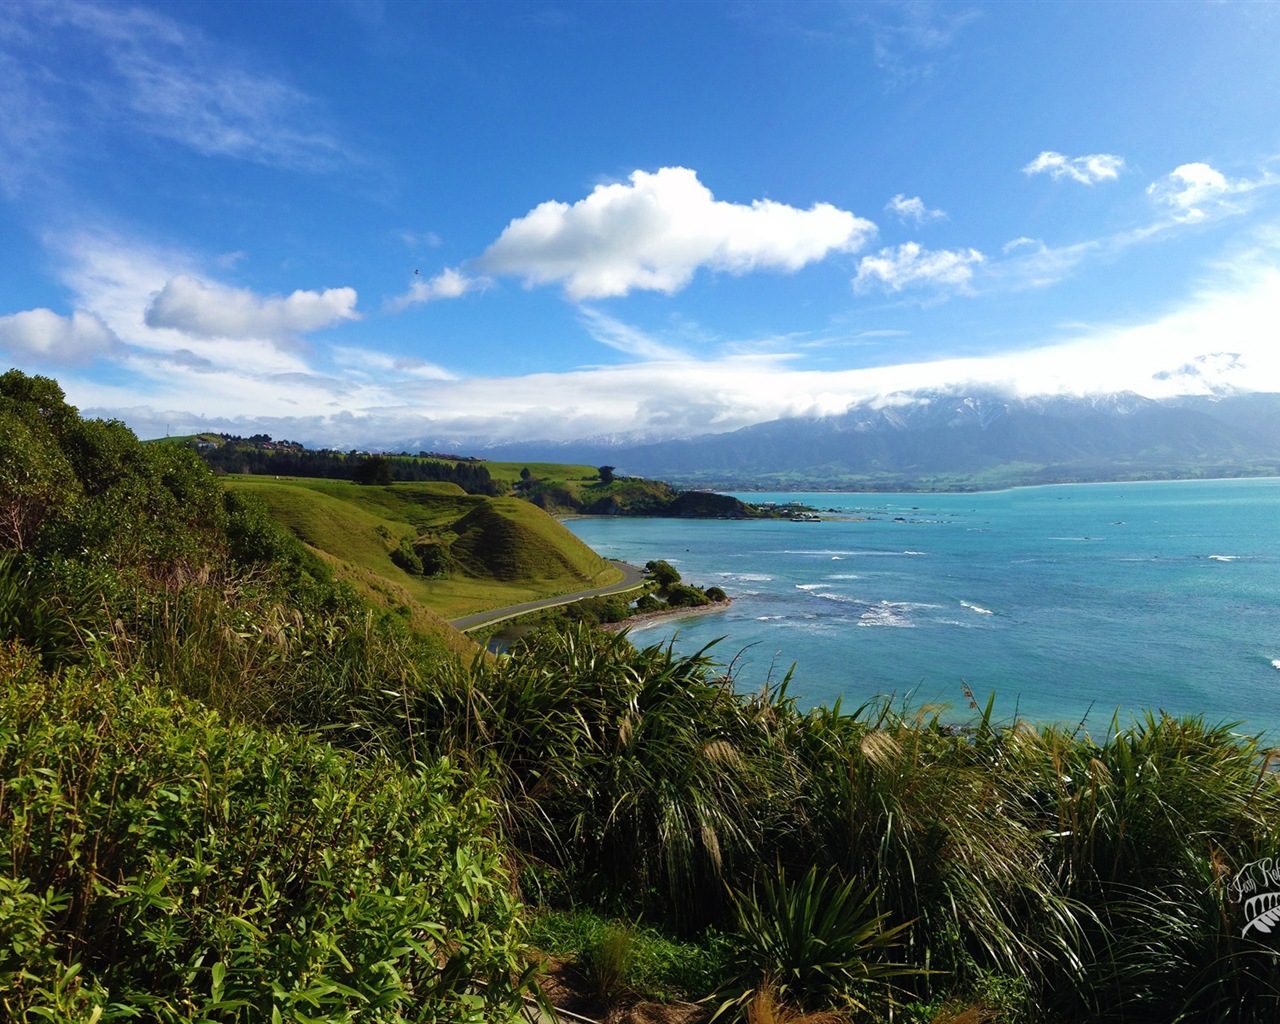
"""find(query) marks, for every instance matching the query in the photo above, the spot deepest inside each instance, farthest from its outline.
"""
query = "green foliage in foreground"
(156, 861)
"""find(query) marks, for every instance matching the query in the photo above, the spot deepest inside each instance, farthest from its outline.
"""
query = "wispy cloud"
(909, 265)
(655, 231)
(625, 338)
(911, 39)
(912, 210)
(1087, 170)
(145, 72)
(369, 365)
(450, 283)
(1195, 191)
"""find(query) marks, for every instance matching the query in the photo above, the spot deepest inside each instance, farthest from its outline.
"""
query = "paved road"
(632, 579)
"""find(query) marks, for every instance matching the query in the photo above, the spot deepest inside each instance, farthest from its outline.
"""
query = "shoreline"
(664, 613)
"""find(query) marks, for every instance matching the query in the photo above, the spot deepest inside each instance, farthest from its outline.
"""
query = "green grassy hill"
(493, 551)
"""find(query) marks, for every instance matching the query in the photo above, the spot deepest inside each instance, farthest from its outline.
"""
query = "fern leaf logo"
(1262, 913)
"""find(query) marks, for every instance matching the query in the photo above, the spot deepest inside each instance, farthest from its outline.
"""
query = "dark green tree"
(664, 573)
(373, 471)
(606, 475)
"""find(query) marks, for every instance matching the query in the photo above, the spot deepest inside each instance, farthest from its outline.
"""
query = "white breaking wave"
(887, 613)
(810, 586)
(976, 608)
(1275, 664)
(1224, 558)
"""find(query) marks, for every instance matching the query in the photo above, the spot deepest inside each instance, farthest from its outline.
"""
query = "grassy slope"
(508, 551)
(571, 488)
(554, 473)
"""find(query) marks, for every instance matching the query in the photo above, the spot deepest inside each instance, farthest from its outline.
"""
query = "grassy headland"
(482, 552)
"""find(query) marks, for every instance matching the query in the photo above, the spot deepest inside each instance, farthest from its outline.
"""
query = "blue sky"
(405, 223)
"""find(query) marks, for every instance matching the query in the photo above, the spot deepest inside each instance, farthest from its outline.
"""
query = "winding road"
(632, 579)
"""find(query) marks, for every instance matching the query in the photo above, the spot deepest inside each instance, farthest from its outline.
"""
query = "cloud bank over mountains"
(219, 354)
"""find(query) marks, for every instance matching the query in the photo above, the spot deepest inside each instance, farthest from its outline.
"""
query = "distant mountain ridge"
(964, 439)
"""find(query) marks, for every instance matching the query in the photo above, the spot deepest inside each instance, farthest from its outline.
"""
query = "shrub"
(158, 861)
(681, 595)
(406, 558)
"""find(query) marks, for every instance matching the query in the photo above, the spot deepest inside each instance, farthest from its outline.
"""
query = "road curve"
(632, 579)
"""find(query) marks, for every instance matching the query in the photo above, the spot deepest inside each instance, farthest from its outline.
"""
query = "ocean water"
(1069, 602)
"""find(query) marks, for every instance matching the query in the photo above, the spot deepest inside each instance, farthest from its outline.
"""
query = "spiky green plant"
(816, 941)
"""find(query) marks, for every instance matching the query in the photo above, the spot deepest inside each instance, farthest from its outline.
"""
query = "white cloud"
(450, 283)
(1022, 242)
(909, 265)
(1193, 190)
(612, 332)
(656, 231)
(61, 340)
(369, 364)
(1087, 170)
(913, 210)
(189, 305)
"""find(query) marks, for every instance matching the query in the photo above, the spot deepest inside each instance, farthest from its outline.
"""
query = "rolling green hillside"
(485, 552)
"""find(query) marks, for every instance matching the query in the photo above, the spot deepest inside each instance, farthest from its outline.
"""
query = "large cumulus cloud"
(656, 230)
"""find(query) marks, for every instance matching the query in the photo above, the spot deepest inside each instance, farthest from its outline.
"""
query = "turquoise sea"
(1069, 602)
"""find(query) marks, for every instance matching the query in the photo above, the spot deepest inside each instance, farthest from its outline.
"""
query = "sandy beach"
(666, 613)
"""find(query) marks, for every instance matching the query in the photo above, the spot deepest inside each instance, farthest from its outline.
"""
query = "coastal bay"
(1069, 602)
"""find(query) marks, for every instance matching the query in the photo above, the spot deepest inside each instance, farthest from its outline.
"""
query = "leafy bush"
(435, 556)
(663, 572)
(407, 558)
(681, 595)
(157, 861)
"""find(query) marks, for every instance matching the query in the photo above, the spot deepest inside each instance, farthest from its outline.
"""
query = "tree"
(606, 475)
(664, 573)
(374, 470)
(36, 480)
